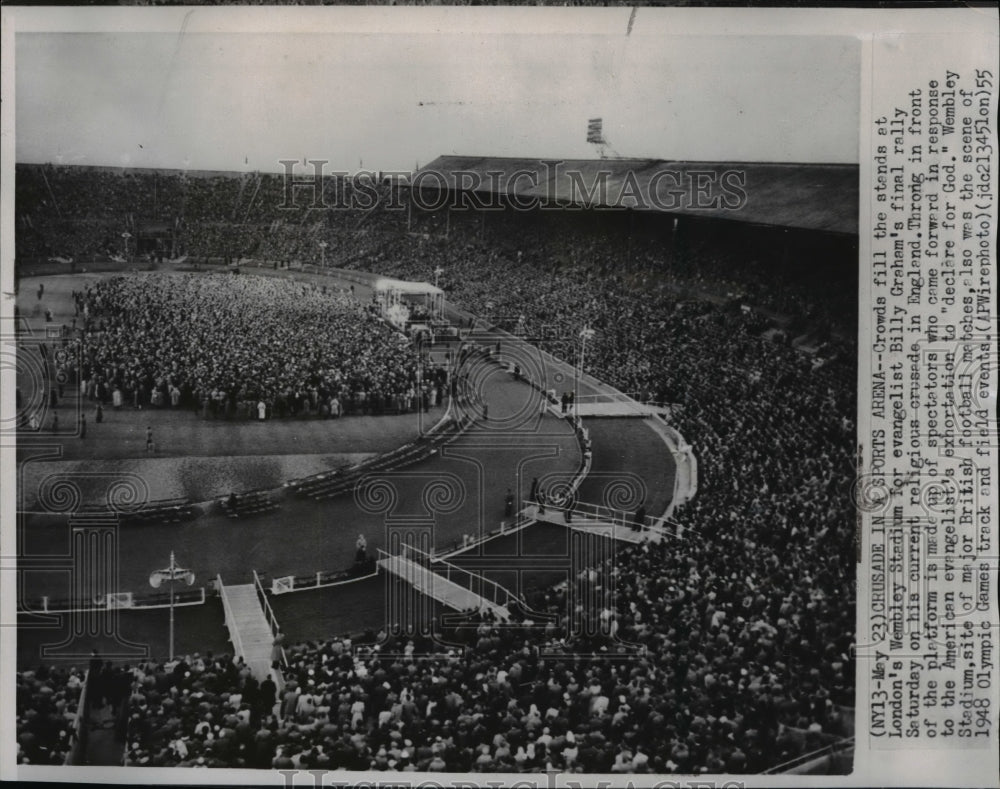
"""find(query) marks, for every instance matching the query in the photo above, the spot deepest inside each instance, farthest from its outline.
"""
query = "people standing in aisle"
(277, 648)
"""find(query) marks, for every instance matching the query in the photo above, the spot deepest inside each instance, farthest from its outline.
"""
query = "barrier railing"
(272, 620)
(826, 751)
(327, 481)
(583, 512)
(81, 727)
(520, 519)
(318, 580)
(606, 397)
(685, 462)
(277, 675)
(622, 397)
(489, 590)
(118, 601)
(468, 541)
(685, 483)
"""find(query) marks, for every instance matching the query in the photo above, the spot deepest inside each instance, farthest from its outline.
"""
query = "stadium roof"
(820, 197)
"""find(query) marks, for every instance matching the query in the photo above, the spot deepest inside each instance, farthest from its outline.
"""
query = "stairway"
(248, 627)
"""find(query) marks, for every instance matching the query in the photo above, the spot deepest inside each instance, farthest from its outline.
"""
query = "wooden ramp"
(439, 588)
(248, 627)
(606, 527)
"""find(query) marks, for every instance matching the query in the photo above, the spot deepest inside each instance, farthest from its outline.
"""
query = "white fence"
(114, 601)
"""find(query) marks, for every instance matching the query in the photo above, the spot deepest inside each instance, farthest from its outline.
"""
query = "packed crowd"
(756, 607)
(81, 213)
(709, 694)
(224, 344)
(47, 701)
(747, 623)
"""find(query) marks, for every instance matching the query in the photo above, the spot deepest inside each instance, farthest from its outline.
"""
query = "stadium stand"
(747, 625)
(159, 511)
(47, 707)
(246, 505)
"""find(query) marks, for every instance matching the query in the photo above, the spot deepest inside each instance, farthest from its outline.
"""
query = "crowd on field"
(226, 344)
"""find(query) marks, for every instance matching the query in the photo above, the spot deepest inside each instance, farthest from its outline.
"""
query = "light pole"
(171, 574)
(586, 333)
(322, 252)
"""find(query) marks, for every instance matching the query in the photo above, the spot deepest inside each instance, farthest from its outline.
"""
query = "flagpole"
(169, 575)
(172, 566)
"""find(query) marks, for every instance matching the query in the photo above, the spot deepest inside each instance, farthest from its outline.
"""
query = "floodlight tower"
(595, 136)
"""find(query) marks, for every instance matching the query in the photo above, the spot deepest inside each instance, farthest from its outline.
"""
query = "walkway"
(615, 528)
(248, 628)
(617, 408)
(105, 740)
(439, 588)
